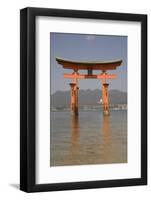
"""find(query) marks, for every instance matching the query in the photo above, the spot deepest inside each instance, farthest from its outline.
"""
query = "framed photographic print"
(83, 99)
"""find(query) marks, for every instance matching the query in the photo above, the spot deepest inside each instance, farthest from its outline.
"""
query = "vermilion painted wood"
(94, 76)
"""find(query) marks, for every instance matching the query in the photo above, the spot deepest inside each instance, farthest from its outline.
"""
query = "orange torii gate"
(103, 66)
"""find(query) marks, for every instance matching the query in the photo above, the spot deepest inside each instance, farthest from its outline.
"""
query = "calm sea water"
(89, 138)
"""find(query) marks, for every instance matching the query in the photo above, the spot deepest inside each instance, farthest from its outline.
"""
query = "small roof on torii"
(85, 65)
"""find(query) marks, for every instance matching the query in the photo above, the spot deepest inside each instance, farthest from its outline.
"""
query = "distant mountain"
(88, 97)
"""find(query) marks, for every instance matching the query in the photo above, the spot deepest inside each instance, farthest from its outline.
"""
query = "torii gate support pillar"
(105, 96)
(74, 98)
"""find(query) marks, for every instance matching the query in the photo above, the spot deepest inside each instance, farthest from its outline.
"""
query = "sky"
(83, 47)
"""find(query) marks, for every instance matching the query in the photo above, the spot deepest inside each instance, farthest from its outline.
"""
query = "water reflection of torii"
(103, 66)
(76, 155)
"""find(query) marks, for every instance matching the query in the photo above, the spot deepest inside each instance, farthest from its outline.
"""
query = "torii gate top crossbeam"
(86, 65)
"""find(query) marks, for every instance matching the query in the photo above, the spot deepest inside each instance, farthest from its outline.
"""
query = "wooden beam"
(94, 76)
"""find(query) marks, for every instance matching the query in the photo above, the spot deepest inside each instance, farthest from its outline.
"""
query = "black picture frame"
(28, 99)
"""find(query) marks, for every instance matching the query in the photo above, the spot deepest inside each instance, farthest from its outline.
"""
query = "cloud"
(90, 37)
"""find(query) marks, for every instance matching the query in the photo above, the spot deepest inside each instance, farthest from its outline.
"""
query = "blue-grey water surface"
(90, 138)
